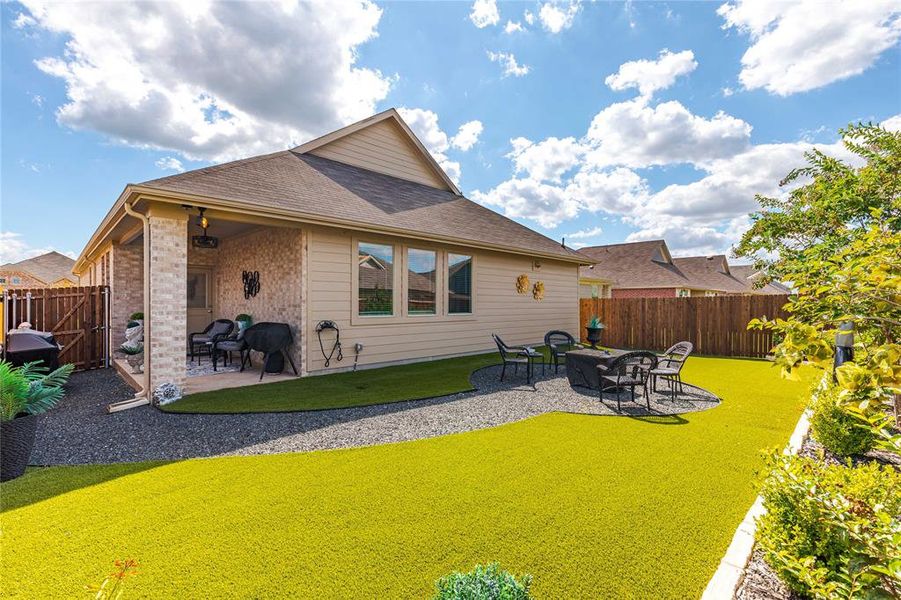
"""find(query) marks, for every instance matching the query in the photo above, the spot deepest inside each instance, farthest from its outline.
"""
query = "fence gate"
(78, 317)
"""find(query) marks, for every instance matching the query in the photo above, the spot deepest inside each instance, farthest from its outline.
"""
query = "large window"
(459, 284)
(422, 268)
(376, 279)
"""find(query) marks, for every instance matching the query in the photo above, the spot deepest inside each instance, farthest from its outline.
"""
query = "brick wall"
(277, 254)
(644, 293)
(127, 288)
(168, 293)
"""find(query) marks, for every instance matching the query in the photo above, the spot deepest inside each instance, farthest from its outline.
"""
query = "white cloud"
(892, 123)
(508, 62)
(583, 234)
(616, 191)
(547, 160)
(170, 163)
(512, 27)
(638, 135)
(529, 17)
(13, 248)
(545, 204)
(467, 135)
(648, 76)
(484, 13)
(727, 91)
(800, 46)
(37, 100)
(557, 16)
(424, 124)
(212, 81)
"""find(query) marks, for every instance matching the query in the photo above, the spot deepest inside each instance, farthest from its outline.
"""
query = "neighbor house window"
(17, 280)
(375, 279)
(459, 284)
(422, 273)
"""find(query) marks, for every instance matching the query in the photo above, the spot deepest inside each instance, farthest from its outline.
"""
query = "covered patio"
(198, 277)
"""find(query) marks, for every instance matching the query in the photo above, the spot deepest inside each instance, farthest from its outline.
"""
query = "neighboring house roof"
(634, 265)
(48, 268)
(710, 273)
(311, 185)
(749, 274)
(641, 265)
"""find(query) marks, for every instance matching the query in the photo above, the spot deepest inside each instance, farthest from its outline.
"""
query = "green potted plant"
(25, 391)
(594, 329)
(244, 321)
(134, 355)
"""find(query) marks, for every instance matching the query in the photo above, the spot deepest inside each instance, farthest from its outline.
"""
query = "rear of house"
(360, 227)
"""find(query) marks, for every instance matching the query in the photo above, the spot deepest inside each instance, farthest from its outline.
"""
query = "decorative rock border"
(728, 577)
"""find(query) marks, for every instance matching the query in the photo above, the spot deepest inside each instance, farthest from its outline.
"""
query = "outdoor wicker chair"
(233, 343)
(203, 340)
(558, 343)
(669, 367)
(630, 370)
(516, 355)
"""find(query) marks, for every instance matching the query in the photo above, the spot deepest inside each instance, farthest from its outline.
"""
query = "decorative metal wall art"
(251, 281)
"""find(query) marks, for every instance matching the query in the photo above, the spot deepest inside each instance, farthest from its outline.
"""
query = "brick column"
(168, 296)
(126, 287)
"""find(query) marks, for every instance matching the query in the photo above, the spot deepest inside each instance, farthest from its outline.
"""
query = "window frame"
(401, 314)
(439, 280)
(395, 287)
(472, 285)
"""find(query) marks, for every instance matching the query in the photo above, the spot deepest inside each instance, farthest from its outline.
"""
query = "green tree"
(836, 238)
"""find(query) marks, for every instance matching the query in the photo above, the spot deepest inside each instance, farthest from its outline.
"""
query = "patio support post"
(168, 294)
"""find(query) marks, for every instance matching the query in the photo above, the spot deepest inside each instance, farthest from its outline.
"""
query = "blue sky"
(601, 122)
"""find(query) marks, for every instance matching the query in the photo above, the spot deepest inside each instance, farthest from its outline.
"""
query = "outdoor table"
(582, 365)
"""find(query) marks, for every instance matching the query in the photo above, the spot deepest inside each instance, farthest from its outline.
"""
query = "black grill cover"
(24, 347)
(272, 339)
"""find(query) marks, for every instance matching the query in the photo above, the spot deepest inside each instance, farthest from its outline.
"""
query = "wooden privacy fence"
(716, 325)
(78, 317)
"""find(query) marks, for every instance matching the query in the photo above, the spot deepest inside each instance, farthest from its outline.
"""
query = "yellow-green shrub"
(837, 429)
(832, 531)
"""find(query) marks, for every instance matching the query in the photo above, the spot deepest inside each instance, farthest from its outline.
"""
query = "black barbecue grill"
(273, 340)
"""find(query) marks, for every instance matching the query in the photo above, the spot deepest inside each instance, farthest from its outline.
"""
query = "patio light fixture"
(204, 241)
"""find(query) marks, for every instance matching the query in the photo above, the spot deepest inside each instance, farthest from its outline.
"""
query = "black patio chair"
(516, 355)
(558, 343)
(669, 367)
(203, 340)
(630, 370)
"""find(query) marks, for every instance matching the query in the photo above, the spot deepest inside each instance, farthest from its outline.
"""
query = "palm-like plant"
(30, 389)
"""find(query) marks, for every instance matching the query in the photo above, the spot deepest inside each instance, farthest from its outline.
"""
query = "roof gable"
(48, 268)
(383, 143)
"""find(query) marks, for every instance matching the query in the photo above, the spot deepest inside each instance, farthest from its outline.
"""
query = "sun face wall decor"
(522, 284)
(538, 290)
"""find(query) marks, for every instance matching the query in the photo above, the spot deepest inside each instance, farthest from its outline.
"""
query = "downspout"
(142, 397)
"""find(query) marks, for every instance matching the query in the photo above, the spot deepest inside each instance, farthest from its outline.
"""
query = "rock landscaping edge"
(729, 575)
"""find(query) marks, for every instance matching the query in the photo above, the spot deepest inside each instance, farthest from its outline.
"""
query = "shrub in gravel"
(483, 583)
(836, 429)
(832, 531)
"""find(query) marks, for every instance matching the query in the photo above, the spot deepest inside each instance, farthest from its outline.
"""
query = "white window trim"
(401, 313)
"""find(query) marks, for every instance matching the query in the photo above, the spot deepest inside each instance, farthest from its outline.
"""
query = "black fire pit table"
(582, 365)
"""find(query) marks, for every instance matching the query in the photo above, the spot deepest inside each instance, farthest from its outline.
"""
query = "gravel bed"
(79, 431)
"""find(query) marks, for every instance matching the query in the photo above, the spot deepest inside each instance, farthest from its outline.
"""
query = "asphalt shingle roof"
(314, 186)
(49, 267)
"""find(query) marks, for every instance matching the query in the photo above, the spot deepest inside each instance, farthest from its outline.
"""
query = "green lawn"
(590, 506)
(340, 390)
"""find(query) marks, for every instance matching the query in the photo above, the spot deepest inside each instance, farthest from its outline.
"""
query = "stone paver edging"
(728, 576)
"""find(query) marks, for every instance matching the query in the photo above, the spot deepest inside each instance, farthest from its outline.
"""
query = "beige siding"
(519, 319)
(382, 148)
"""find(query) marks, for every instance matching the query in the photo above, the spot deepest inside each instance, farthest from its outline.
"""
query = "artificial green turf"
(591, 506)
(340, 390)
